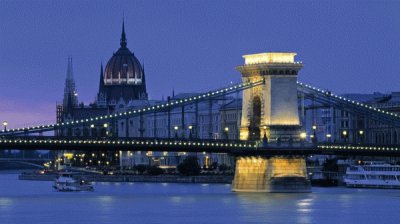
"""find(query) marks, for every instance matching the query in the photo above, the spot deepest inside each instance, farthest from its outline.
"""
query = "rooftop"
(272, 57)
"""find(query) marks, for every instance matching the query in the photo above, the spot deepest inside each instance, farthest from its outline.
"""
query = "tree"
(223, 167)
(190, 166)
(155, 170)
(141, 168)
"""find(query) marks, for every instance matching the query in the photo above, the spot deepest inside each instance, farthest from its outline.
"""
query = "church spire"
(70, 75)
(70, 95)
(101, 95)
(123, 36)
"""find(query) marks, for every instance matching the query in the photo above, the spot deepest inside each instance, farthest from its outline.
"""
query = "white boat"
(374, 174)
(67, 182)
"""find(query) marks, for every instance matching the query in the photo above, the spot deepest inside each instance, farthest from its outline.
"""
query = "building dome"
(123, 79)
(123, 67)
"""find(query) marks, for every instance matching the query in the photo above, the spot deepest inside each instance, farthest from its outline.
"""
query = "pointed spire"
(101, 95)
(70, 95)
(123, 36)
(70, 75)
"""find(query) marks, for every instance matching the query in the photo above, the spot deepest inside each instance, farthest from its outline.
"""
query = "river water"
(35, 202)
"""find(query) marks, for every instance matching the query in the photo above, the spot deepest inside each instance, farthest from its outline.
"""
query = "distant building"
(122, 86)
(122, 82)
(335, 125)
(196, 121)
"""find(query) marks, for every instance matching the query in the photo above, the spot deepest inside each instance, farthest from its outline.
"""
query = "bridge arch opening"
(256, 119)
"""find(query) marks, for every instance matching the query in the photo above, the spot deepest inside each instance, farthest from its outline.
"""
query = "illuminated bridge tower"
(270, 110)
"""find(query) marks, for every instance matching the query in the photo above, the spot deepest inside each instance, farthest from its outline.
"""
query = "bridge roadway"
(234, 147)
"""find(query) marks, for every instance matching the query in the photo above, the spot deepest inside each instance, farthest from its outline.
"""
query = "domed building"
(122, 83)
(122, 87)
(123, 77)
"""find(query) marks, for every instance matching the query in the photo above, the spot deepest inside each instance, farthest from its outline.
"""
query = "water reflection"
(304, 205)
(35, 202)
(5, 203)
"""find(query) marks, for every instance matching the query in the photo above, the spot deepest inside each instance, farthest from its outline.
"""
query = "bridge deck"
(185, 145)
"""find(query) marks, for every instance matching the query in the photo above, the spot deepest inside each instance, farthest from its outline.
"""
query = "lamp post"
(91, 130)
(303, 137)
(5, 123)
(361, 135)
(265, 133)
(105, 125)
(328, 137)
(190, 131)
(176, 131)
(314, 139)
(226, 130)
(265, 138)
(344, 134)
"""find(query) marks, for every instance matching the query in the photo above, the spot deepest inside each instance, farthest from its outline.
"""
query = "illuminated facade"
(275, 174)
(270, 111)
(271, 108)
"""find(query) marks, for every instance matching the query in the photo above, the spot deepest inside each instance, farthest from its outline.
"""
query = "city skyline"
(180, 41)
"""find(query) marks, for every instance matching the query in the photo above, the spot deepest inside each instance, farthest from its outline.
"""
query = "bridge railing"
(328, 98)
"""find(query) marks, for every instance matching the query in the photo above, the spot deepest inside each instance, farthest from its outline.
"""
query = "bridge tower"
(270, 110)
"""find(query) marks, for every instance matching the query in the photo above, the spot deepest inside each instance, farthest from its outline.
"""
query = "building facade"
(122, 86)
(328, 124)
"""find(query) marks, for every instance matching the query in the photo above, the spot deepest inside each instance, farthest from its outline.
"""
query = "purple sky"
(346, 46)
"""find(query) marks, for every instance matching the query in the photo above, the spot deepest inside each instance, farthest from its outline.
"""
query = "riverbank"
(15, 171)
(217, 179)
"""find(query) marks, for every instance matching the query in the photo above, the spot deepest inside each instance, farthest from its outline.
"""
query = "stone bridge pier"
(270, 111)
(274, 174)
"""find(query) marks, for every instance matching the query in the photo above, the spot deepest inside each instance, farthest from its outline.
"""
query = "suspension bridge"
(270, 151)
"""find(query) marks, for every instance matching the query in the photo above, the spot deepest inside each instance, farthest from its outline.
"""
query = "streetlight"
(314, 139)
(176, 131)
(303, 137)
(91, 129)
(190, 131)
(265, 133)
(361, 133)
(5, 123)
(265, 139)
(344, 134)
(328, 137)
(105, 125)
(226, 130)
